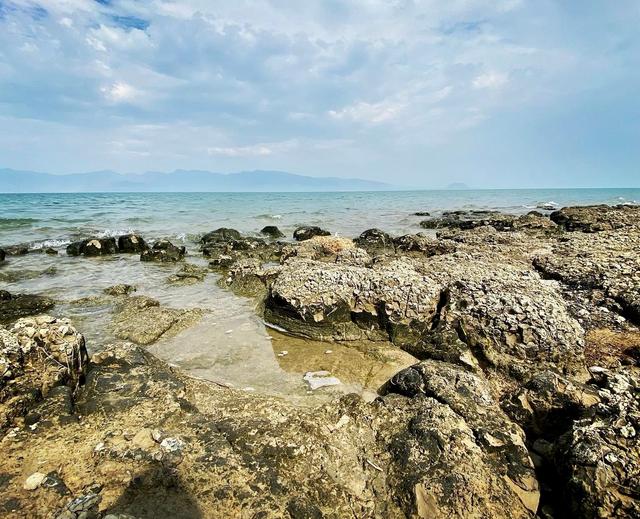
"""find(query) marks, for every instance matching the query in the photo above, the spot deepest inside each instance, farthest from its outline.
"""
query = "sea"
(231, 345)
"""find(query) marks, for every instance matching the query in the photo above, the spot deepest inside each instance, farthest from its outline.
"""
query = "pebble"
(34, 481)
(283, 353)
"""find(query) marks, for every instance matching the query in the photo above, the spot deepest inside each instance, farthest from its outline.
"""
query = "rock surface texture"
(524, 401)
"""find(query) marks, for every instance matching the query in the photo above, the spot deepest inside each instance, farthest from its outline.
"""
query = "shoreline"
(521, 363)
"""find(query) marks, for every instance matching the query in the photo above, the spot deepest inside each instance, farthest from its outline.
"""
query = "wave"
(16, 223)
(269, 217)
(37, 245)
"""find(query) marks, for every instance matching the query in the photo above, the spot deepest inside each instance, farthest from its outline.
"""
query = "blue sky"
(494, 93)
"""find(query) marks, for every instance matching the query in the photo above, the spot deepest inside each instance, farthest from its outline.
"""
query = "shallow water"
(230, 345)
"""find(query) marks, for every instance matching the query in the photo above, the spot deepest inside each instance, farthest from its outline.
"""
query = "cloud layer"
(423, 92)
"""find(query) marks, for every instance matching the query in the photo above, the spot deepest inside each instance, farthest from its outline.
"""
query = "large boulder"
(133, 243)
(309, 231)
(93, 247)
(163, 251)
(14, 306)
(42, 361)
(345, 302)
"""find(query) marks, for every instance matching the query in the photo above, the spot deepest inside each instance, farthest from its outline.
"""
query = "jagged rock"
(133, 243)
(609, 262)
(14, 306)
(38, 355)
(82, 507)
(142, 320)
(308, 232)
(375, 240)
(272, 231)
(163, 251)
(225, 253)
(599, 456)
(509, 317)
(459, 445)
(250, 277)
(597, 218)
(334, 301)
(320, 248)
(93, 247)
(119, 290)
(222, 234)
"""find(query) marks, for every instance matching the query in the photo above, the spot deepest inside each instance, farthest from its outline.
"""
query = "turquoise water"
(35, 218)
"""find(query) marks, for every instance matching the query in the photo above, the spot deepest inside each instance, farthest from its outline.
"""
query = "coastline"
(517, 380)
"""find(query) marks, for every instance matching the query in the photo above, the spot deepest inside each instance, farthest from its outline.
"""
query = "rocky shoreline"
(523, 401)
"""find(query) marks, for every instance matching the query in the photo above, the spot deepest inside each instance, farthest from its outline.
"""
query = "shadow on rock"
(156, 492)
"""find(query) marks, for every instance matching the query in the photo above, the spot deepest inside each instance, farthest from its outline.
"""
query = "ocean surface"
(231, 345)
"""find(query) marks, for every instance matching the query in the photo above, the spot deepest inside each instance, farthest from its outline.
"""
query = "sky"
(419, 93)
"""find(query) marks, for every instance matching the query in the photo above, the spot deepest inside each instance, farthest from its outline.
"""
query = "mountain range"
(15, 181)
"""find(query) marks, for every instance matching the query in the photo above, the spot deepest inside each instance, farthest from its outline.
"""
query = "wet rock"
(250, 277)
(599, 456)
(16, 250)
(222, 234)
(3, 254)
(308, 232)
(224, 253)
(422, 213)
(119, 290)
(50, 251)
(464, 220)
(142, 320)
(163, 251)
(272, 231)
(375, 240)
(132, 243)
(189, 273)
(14, 306)
(597, 218)
(93, 247)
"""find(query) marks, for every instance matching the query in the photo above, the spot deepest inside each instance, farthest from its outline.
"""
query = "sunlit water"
(230, 345)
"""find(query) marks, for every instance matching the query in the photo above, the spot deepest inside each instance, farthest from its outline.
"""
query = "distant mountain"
(13, 181)
(457, 185)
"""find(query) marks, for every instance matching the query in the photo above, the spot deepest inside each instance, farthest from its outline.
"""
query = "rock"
(599, 456)
(375, 240)
(34, 481)
(3, 254)
(38, 355)
(163, 251)
(50, 251)
(597, 218)
(119, 290)
(423, 244)
(82, 507)
(16, 250)
(272, 231)
(93, 247)
(222, 234)
(189, 273)
(308, 232)
(468, 220)
(14, 306)
(422, 213)
(341, 302)
(133, 243)
(142, 320)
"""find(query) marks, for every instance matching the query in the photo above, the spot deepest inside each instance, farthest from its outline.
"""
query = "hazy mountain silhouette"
(14, 181)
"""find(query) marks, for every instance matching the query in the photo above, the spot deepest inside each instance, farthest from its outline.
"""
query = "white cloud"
(369, 112)
(490, 80)
(120, 92)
